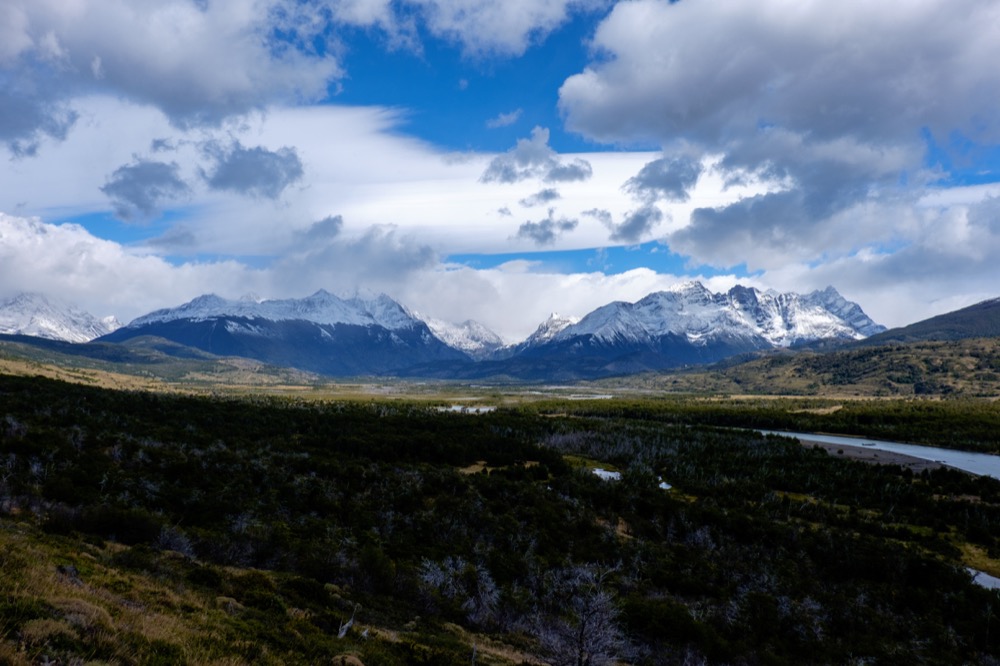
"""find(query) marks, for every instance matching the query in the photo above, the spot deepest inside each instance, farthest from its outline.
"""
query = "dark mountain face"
(328, 349)
(981, 320)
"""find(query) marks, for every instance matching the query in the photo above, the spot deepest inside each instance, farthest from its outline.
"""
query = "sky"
(499, 161)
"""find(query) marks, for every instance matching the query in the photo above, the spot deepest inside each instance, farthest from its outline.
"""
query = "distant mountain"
(40, 316)
(685, 325)
(322, 333)
(470, 337)
(547, 330)
(981, 320)
(374, 335)
(743, 315)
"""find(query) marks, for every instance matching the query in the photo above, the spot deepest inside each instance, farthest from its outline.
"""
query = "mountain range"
(40, 316)
(375, 335)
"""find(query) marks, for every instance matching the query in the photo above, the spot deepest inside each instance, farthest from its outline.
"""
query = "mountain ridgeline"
(322, 333)
(334, 336)
(39, 316)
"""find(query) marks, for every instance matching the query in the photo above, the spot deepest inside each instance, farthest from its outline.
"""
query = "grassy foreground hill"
(151, 528)
(959, 368)
(967, 368)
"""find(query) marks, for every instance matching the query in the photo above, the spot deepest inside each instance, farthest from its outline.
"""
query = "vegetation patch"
(144, 528)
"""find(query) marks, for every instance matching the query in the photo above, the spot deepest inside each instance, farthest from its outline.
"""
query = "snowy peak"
(43, 317)
(830, 299)
(320, 308)
(691, 311)
(551, 327)
(470, 337)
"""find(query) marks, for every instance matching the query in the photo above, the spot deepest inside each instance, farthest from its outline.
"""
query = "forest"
(277, 530)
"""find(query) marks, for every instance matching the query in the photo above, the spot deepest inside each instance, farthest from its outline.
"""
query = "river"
(985, 464)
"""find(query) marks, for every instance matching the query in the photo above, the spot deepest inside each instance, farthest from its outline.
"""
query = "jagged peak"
(40, 315)
(690, 310)
(321, 307)
(687, 286)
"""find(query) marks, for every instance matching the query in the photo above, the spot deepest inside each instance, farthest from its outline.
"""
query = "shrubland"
(138, 527)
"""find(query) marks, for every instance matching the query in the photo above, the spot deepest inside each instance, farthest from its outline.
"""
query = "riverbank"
(873, 455)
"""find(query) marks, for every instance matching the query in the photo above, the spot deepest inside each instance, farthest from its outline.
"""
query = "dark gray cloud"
(540, 198)
(162, 146)
(772, 229)
(176, 239)
(138, 189)
(254, 171)
(324, 230)
(601, 215)
(578, 169)
(545, 232)
(319, 234)
(26, 117)
(665, 178)
(534, 159)
(637, 223)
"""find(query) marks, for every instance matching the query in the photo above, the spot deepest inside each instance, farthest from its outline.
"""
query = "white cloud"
(101, 276)
(157, 52)
(534, 159)
(712, 71)
(485, 27)
(106, 278)
(504, 119)
(354, 164)
(201, 63)
(829, 103)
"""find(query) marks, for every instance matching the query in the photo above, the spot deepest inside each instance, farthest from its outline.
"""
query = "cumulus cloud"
(548, 195)
(138, 189)
(637, 224)
(262, 52)
(487, 27)
(545, 232)
(504, 119)
(728, 69)
(380, 259)
(321, 232)
(834, 102)
(665, 178)
(101, 276)
(256, 171)
(533, 158)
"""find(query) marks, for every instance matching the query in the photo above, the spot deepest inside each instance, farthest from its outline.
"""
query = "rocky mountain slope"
(322, 333)
(45, 317)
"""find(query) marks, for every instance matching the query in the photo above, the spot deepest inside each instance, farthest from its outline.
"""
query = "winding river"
(985, 464)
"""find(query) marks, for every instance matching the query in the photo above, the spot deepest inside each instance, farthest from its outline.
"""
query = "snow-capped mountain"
(43, 317)
(323, 333)
(320, 308)
(470, 337)
(371, 334)
(692, 312)
(684, 325)
(550, 328)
